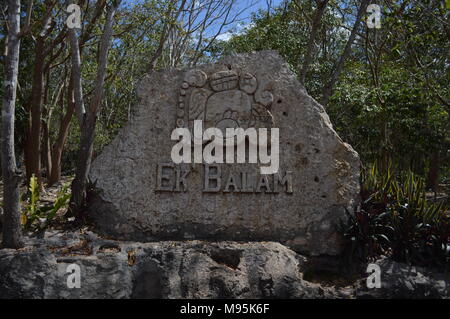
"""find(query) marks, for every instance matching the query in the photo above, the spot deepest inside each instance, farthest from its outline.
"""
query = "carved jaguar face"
(225, 100)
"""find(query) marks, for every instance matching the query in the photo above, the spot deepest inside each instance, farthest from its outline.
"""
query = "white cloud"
(224, 36)
(238, 29)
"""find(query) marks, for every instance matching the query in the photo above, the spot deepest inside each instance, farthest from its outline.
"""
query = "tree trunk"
(83, 164)
(328, 89)
(433, 172)
(47, 111)
(58, 146)
(12, 232)
(89, 119)
(165, 34)
(33, 138)
(45, 148)
(310, 48)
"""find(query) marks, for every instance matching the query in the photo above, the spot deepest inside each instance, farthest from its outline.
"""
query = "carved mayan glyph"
(226, 99)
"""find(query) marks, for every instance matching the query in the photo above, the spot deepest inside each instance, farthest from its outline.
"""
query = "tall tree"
(11, 175)
(42, 50)
(310, 47)
(328, 89)
(167, 28)
(65, 120)
(89, 115)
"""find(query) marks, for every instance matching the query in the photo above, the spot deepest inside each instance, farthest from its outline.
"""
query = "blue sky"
(244, 7)
(249, 7)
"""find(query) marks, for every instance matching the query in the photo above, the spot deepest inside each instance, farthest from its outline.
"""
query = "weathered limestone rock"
(191, 269)
(139, 198)
(402, 281)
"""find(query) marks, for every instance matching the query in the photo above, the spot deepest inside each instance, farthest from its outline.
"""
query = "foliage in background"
(395, 218)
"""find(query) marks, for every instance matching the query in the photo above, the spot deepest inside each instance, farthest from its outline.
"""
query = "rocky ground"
(195, 269)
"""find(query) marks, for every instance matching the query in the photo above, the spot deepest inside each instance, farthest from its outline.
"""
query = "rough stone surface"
(401, 281)
(192, 269)
(253, 90)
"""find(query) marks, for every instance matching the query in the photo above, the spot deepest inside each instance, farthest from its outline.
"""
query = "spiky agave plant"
(396, 218)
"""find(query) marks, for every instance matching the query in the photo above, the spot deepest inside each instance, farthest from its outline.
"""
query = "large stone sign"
(141, 194)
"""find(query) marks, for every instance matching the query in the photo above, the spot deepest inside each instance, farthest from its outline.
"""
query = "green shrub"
(395, 218)
(36, 216)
